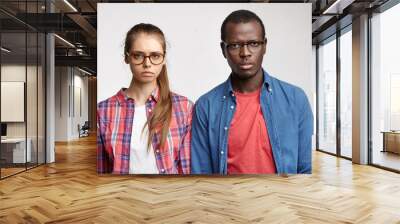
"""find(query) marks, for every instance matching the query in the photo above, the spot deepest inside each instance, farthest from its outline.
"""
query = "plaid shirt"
(114, 121)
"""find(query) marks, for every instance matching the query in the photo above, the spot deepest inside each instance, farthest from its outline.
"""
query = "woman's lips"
(147, 73)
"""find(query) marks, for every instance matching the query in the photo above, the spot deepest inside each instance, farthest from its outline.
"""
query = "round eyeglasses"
(138, 58)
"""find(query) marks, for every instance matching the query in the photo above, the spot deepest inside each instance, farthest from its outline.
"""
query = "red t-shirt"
(249, 148)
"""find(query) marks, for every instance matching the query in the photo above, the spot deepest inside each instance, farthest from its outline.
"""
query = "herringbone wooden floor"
(70, 191)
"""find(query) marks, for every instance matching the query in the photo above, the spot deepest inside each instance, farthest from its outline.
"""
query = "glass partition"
(13, 103)
(22, 64)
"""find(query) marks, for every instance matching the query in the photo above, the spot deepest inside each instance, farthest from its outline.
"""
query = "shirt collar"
(266, 82)
(123, 98)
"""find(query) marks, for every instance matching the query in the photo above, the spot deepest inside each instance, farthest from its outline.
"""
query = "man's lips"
(246, 66)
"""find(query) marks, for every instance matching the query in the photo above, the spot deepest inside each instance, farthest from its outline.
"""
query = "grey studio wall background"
(194, 59)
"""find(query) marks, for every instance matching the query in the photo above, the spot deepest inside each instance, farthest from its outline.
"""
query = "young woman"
(144, 129)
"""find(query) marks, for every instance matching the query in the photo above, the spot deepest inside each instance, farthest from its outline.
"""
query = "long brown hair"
(161, 116)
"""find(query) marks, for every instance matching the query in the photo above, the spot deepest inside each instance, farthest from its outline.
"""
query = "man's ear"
(223, 48)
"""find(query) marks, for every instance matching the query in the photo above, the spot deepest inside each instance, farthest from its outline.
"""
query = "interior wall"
(80, 110)
(71, 102)
(61, 103)
(17, 72)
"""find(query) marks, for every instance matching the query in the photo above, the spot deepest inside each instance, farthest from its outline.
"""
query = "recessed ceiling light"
(84, 71)
(5, 50)
(70, 5)
(337, 7)
(64, 40)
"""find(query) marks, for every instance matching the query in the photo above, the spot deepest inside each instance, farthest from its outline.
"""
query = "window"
(385, 89)
(327, 96)
(346, 93)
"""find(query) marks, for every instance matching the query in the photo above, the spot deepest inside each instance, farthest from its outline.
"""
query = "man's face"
(244, 60)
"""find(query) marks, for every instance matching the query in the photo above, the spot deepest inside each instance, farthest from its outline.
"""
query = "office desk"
(13, 150)
(391, 141)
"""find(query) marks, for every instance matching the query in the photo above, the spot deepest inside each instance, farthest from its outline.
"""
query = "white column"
(360, 90)
(50, 93)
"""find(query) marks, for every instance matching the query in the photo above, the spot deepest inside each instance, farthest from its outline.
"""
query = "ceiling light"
(64, 40)
(338, 6)
(5, 50)
(70, 5)
(84, 71)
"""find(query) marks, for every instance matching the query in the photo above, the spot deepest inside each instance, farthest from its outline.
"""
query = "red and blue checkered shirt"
(114, 130)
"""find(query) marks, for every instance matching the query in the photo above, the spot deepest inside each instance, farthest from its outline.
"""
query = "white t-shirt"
(142, 160)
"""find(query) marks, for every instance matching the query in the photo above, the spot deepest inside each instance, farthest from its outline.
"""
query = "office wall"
(12, 98)
(33, 126)
(16, 72)
(62, 81)
(10, 73)
(71, 102)
(80, 110)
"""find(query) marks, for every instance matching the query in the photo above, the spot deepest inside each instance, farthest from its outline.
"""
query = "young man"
(253, 122)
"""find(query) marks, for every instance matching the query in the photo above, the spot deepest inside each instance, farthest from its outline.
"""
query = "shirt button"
(162, 171)
(222, 152)
(157, 151)
(149, 110)
(224, 97)
(232, 107)
(226, 128)
(233, 94)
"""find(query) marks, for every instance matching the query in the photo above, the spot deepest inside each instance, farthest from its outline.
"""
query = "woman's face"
(146, 58)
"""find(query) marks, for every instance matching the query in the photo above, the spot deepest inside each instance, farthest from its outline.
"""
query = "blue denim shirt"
(287, 115)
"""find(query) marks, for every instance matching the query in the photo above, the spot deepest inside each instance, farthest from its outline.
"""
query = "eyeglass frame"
(148, 56)
(242, 44)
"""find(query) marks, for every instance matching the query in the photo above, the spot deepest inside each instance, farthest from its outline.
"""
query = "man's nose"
(244, 51)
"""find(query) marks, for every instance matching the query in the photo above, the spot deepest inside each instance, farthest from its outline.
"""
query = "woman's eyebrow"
(136, 52)
(151, 52)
